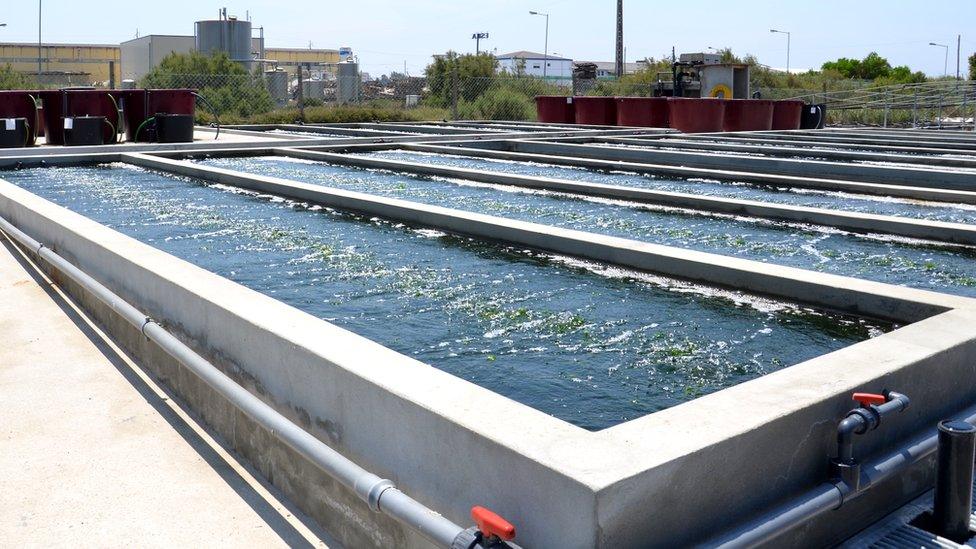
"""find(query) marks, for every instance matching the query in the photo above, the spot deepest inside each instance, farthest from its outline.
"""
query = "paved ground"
(94, 453)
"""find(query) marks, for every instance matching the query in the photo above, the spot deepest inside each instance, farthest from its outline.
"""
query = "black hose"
(213, 111)
(37, 117)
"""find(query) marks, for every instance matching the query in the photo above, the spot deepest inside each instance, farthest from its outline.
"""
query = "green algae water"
(883, 258)
(590, 344)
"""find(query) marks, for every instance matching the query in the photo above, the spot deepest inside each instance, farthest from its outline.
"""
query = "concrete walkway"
(94, 453)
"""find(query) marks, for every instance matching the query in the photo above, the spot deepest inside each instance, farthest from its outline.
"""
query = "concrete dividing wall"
(494, 149)
(896, 175)
(668, 479)
(858, 222)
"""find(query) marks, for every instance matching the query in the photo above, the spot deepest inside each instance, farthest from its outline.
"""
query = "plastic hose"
(115, 133)
(28, 136)
(135, 136)
(213, 111)
(118, 114)
(37, 117)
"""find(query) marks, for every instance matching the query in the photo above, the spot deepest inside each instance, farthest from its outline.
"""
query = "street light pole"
(787, 47)
(945, 66)
(545, 55)
(39, 43)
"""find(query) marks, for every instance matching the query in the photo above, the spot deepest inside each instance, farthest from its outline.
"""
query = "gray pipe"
(829, 496)
(380, 494)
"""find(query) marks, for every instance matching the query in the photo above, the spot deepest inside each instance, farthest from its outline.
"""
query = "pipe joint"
(375, 492)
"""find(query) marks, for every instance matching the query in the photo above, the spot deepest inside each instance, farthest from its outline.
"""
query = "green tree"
(224, 83)
(871, 67)
(473, 73)
(11, 79)
(972, 67)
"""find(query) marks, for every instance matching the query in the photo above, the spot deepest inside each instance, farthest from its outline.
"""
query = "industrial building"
(140, 55)
(103, 64)
(528, 63)
(64, 64)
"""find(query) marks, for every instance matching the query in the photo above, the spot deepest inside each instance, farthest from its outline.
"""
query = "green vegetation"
(12, 80)
(972, 67)
(222, 82)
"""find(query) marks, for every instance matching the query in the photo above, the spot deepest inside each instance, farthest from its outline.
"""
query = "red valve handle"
(491, 524)
(867, 399)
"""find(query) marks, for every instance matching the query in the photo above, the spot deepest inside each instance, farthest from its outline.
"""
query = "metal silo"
(277, 82)
(229, 35)
(347, 87)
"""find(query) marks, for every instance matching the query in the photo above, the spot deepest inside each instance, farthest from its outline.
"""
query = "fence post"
(915, 109)
(301, 96)
(884, 124)
(454, 94)
(941, 95)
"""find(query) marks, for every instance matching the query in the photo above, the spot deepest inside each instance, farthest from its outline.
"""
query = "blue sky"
(387, 33)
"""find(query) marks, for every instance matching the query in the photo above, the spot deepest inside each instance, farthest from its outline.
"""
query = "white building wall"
(557, 67)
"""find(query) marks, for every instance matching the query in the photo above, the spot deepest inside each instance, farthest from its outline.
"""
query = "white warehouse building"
(531, 63)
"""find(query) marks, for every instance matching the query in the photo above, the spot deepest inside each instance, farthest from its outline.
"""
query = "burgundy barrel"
(692, 115)
(786, 114)
(70, 103)
(22, 104)
(557, 109)
(52, 107)
(645, 112)
(745, 115)
(597, 111)
(141, 105)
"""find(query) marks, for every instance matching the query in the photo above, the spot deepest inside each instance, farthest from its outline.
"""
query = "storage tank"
(229, 35)
(313, 89)
(646, 112)
(692, 115)
(747, 115)
(348, 82)
(786, 114)
(277, 83)
(596, 111)
(555, 109)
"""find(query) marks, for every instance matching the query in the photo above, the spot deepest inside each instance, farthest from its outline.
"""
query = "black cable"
(213, 111)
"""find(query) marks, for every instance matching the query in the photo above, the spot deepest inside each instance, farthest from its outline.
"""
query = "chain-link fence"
(937, 103)
(288, 96)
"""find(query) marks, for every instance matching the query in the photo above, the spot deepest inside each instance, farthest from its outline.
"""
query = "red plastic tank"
(692, 115)
(555, 108)
(22, 104)
(61, 104)
(745, 115)
(597, 111)
(645, 112)
(141, 105)
(786, 114)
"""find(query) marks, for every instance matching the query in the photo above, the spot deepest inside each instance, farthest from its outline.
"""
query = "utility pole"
(620, 38)
(958, 49)
(545, 55)
(39, 43)
(478, 37)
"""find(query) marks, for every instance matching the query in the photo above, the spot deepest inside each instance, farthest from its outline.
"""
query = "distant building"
(531, 63)
(142, 54)
(63, 64)
(608, 69)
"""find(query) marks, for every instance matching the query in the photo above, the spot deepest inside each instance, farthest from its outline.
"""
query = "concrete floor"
(94, 453)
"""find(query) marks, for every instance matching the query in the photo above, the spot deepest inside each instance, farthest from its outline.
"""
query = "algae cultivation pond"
(590, 344)
(956, 213)
(882, 258)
